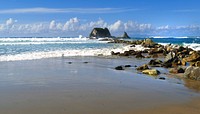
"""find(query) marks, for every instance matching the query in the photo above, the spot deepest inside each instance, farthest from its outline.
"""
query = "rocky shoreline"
(177, 59)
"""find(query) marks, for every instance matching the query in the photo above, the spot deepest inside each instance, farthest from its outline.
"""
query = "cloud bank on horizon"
(75, 26)
(74, 17)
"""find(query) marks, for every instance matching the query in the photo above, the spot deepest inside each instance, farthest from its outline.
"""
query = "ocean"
(13, 49)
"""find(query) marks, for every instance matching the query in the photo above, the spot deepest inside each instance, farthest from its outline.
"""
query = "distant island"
(104, 33)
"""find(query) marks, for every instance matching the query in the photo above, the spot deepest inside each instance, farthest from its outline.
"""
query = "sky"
(78, 17)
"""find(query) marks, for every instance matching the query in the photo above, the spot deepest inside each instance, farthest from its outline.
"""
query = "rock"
(143, 67)
(170, 56)
(69, 62)
(197, 64)
(139, 55)
(148, 43)
(155, 62)
(125, 35)
(171, 60)
(195, 56)
(127, 65)
(113, 53)
(86, 62)
(151, 72)
(177, 70)
(167, 64)
(156, 50)
(119, 68)
(192, 72)
(100, 33)
(161, 78)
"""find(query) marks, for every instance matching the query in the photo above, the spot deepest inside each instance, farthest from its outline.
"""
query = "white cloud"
(71, 25)
(52, 24)
(117, 26)
(75, 26)
(67, 10)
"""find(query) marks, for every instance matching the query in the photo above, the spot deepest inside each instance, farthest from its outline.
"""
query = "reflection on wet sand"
(192, 84)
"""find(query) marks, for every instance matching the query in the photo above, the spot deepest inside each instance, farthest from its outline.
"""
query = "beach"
(91, 85)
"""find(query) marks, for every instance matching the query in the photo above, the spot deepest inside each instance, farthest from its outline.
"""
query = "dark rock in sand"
(127, 65)
(100, 33)
(161, 78)
(119, 68)
(155, 62)
(151, 72)
(143, 67)
(69, 62)
(177, 70)
(192, 72)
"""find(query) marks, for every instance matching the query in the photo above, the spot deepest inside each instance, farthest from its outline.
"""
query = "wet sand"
(71, 86)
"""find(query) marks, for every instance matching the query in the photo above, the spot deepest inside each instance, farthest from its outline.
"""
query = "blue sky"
(74, 17)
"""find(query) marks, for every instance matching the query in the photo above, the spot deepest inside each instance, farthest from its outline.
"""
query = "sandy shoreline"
(89, 85)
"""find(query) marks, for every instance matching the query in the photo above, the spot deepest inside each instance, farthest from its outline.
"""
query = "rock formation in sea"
(100, 33)
(125, 35)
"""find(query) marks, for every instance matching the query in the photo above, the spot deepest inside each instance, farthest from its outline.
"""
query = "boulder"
(177, 70)
(192, 72)
(100, 33)
(127, 65)
(119, 68)
(195, 56)
(148, 43)
(139, 55)
(170, 56)
(171, 60)
(155, 62)
(151, 72)
(156, 50)
(197, 64)
(143, 67)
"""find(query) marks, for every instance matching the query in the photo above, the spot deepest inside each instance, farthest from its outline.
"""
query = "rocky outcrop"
(100, 33)
(192, 73)
(125, 35)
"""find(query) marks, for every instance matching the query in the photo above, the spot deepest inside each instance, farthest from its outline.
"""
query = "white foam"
(170, 37)
(70, 52)
(194, 46)
(164, 44)
(41, 39)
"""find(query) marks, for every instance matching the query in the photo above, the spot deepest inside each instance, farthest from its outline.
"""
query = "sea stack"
(100, 33)
(125, 35)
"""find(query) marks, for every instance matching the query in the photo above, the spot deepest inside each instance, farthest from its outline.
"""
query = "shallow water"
(77, 85)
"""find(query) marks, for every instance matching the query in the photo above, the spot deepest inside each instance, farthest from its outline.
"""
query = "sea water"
(28, 48)
(12, 49)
